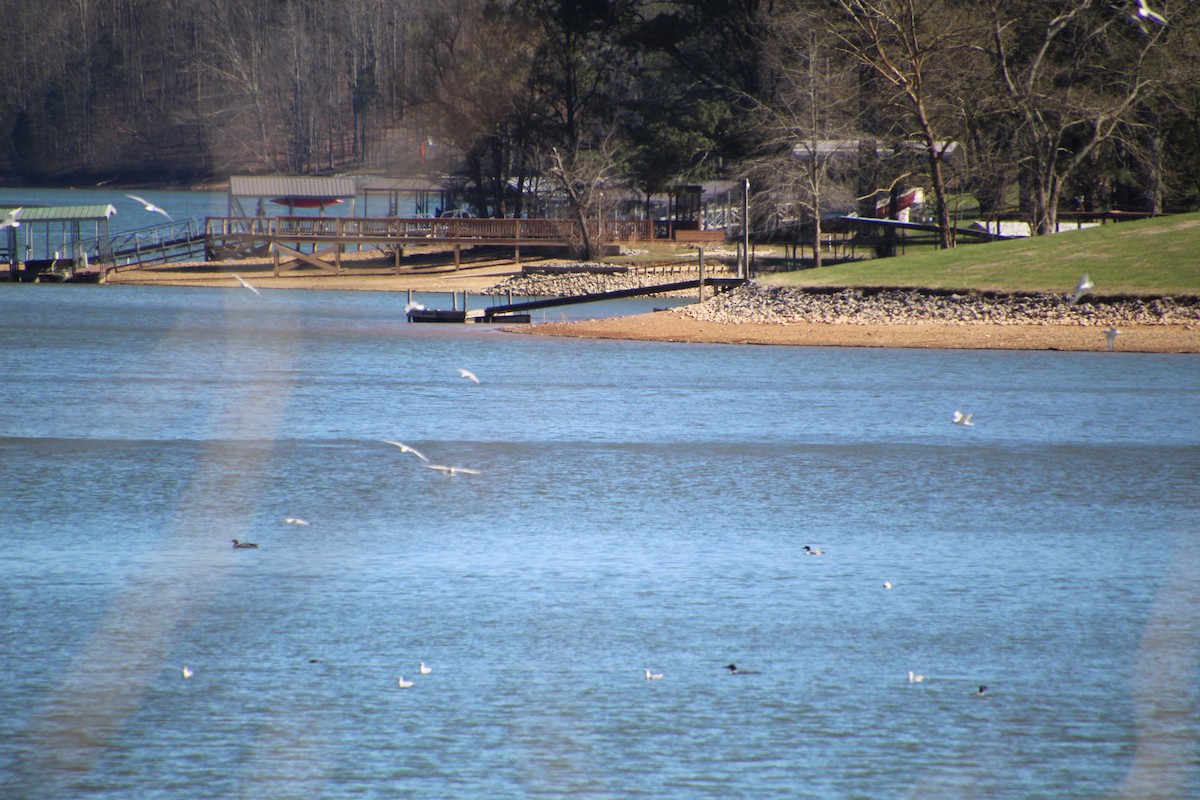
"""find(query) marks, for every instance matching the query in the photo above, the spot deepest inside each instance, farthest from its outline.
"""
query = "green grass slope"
(1158, 256)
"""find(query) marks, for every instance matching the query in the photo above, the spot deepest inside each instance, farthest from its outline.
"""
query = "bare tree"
(583, 175)
(810, 121)
(912, 47)
(1073, 78)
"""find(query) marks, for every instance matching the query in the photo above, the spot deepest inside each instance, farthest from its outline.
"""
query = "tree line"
(1037, 105)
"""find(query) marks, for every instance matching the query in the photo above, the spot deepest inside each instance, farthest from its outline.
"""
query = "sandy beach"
(363, 274)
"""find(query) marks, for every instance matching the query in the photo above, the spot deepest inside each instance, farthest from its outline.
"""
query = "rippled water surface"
(638, 506)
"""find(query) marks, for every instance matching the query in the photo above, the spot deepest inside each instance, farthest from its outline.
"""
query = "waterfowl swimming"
(653, 676)
(243, 545)
(887, 584)
(187, 673)
(915, 678)
(425, 670)
(808, 551)
(733, 670)
(294, 521)
(980, 690)
(403, 684)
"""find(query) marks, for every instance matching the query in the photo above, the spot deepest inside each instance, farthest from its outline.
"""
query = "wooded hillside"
(1057, 103)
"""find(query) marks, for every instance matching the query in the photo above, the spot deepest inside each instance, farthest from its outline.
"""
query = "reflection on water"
(638, 506)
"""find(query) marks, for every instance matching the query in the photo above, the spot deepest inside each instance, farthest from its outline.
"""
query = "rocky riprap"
(573, 284)
(753, 302)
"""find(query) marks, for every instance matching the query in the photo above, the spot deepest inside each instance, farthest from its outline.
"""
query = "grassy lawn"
(1154, 256)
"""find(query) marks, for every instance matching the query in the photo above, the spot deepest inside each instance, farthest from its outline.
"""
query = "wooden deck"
(327, 237)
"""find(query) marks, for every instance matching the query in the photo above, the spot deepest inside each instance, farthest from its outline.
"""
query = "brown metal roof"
(290, 186)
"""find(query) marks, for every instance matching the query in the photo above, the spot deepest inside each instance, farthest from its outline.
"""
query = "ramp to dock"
(515, 311)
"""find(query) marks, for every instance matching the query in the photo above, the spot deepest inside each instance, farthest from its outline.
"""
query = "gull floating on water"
(10, 219)
(963, 419)
(466, 373)
(243, 545)
(653, 676)
(245, 283)
(406, 449)
(1110, 335)
(403, 684)
(294, 521)
(187, 673)
(451, 471)
(809, 551)
(887, 584)
(915, 678)
(148, 205)
(424, 669)
(1085, 285)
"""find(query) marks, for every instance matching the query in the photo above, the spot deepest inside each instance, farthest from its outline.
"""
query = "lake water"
(637, 506)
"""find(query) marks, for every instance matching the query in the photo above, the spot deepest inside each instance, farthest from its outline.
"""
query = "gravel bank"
(754, 303)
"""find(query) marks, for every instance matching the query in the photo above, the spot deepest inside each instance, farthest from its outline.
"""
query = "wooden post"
(745, 273)
(517, 255)
(700, 252)
(457, 256)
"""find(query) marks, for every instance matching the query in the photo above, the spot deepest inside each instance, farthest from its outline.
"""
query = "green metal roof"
(62, 213)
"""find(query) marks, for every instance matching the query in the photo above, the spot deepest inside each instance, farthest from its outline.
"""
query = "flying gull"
(245, 283)
(1145, 12)
(1110, 335)
(10, 219)
(963, 419)
(149, 206)
(406, 449)
(466, 373)
(1085, 286)
(451, 471)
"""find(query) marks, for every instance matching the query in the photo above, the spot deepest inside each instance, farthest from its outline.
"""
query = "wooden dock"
(328, 237)
(518, 312)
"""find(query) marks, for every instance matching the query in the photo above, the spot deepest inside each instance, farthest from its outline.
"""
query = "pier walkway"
(327, 237)
(518, 312)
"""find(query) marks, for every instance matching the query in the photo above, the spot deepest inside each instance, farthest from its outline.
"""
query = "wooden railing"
(398, 228)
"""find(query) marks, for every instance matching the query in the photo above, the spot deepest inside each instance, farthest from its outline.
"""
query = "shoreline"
(668, 326)
(672, 326)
